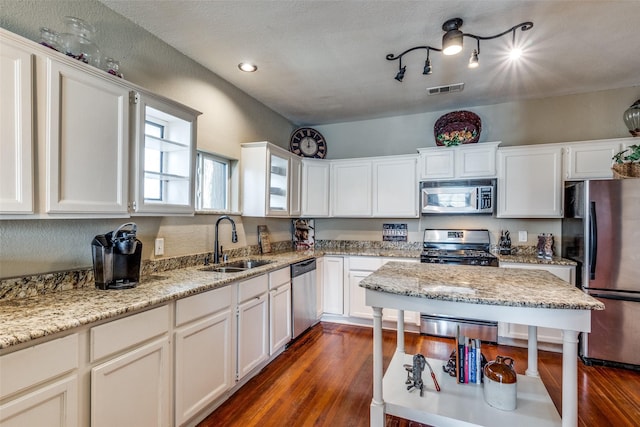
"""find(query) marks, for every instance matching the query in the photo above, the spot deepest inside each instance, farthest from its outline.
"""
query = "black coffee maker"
(116, 258)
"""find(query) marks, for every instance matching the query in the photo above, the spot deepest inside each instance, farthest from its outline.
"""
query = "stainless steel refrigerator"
(601, 231)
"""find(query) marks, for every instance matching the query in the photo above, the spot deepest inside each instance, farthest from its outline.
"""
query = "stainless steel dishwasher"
(303, 296)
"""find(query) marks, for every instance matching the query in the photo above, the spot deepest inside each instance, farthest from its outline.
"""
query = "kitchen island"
(531, 297)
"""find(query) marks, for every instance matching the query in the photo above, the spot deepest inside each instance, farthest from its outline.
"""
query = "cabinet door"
(319, 287)
(253, 334)
(279, 317)
(203, 364)
(277, 185)
(16, 130)
(163, 157)
(295, 186)
(476, 160)
(437, 164)
(530, 182)
(333, 285)
(54, 405)
(357, 306)
(132, 389)
(87, 125)
(315, 188)
(351, 188)
(591, 159)
(395, 188)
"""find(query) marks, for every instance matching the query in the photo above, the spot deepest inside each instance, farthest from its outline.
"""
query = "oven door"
(457, 200)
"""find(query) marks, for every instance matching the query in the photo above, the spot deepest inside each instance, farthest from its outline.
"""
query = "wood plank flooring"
(325, 379)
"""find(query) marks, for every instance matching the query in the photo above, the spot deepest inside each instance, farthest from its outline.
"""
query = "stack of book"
(468, 360)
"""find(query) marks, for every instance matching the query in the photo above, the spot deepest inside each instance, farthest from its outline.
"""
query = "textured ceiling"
(324, 61)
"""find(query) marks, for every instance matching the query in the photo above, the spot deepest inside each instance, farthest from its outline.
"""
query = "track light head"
(427, 67)
(452, 38)
(400, 74)
(473, 60)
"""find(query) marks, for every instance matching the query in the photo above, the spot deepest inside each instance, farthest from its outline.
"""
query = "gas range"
(461, 247)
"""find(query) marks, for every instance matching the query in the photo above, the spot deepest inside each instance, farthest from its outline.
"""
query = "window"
(213, 182)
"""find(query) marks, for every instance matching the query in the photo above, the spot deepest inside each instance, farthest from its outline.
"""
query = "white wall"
(596, 115)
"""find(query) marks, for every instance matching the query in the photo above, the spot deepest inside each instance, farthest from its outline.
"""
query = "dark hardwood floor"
(325, 379)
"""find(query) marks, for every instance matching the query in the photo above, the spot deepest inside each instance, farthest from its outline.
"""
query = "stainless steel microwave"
(458, 197)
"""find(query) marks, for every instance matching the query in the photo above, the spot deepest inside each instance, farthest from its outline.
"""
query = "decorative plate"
(457, 127)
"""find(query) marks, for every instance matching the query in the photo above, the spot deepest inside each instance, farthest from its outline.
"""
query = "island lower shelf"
(463, 404)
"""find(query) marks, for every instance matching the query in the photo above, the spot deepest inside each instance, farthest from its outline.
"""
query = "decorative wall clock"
(308, 142)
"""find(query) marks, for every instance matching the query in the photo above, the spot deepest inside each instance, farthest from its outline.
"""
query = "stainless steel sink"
(247, 263)
(236, 266)
(223, 269)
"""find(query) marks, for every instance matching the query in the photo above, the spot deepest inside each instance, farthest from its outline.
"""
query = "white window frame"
(200, 157)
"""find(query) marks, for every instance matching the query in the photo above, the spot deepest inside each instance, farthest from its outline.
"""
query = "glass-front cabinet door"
(278, 185)
(163, 157)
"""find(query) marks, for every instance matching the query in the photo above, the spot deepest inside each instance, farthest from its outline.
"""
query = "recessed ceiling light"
(247, 67)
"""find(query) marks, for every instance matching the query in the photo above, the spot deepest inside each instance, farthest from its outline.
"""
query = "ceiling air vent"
(456, 87)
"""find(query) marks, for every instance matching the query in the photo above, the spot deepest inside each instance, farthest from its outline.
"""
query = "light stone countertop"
(30, 318)
(480, 285)
(26, 319)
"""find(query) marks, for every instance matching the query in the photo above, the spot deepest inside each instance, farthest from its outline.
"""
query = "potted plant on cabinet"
(627, 163)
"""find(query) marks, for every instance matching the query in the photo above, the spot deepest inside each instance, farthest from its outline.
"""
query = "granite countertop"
(26, 319)
(525, 258)
(480, 285)
(23, 319)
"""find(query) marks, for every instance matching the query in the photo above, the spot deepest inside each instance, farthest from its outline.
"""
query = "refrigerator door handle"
(593, 242)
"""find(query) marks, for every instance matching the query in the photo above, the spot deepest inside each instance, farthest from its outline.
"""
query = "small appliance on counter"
(116, 258)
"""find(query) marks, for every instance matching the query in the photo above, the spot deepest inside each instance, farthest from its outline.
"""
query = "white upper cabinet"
(269, 186)
(530, 181)
(163, 156)
(315, 187)
(351, 194)
(592, 159)
(295, 186)
(86, 139)
(395, 187)
(463, 161)
(16, 129)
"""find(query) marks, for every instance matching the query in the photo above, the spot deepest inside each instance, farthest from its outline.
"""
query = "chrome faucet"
(234, 238)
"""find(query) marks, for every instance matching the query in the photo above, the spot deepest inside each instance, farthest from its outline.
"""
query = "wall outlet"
(159, 248)
(522, 236)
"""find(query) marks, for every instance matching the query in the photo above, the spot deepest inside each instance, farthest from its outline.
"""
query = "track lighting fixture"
(452, 43)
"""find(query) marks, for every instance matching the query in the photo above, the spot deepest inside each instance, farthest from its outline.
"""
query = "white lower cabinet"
(203, 351)
(53, 405)
(130, 384)
(545, 335)
(333, 284)
(360, 267)
(132, 389)
(44, 381)
(253, 325)
(279, 309)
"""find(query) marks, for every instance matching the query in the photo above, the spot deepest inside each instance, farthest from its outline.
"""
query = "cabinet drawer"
(279, 277)
(196, 306)
(120, 334)
(365, 263)
(37, 364)
(252, 288)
